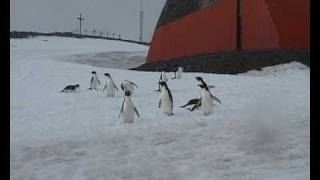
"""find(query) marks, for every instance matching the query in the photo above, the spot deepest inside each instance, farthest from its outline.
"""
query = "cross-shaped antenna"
(80, 19)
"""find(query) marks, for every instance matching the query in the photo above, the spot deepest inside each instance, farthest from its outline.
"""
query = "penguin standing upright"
(163, 78)
(110, 86)
(128, 109)
(94, 83)
(127, 85)
(178, 73)
(196, 102)
(207, 100)
(166, 101)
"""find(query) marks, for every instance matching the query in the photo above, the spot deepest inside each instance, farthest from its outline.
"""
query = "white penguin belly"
(128, 112)
(179, 73)
(110, 88)
(206, 104)
(166, 106)
(95, 83)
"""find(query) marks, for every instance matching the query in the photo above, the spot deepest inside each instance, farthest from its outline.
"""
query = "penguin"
(166, 101)
(196, 102)
(178, 73)
(110, 86)
(192, 101)
(128, 85)
(201, 81)
(70, 88)
(163, 78)
(94, 83)
(128, 109)
(207, 100)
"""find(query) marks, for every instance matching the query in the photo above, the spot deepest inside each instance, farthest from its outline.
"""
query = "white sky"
(113, 16)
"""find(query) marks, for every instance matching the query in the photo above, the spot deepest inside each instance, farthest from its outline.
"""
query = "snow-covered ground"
(260, 131)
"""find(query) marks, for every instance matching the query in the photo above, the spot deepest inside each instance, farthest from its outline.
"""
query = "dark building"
(194, 27)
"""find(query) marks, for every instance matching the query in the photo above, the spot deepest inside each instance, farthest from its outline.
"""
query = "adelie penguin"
(94, 83)
(166, 101)
(110, 86)
(207, 100)
(163, 78)
(128, 85)
(128, 109)
(196, 102)
(70, 88)
(178, 74)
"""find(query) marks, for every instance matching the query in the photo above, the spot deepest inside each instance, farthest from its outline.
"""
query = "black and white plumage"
(94, 83)
(127, 85)
(163, 78)
(71, 88)
(207, 100)
(196, 102)
(166, 100)
(201, 81)
(128, 109)
(110, 86)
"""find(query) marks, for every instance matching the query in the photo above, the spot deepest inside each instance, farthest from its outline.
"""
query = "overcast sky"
(113, 16)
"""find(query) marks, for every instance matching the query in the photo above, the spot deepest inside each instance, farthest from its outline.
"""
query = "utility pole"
(141, 21)
(239, 25)
(80, 19)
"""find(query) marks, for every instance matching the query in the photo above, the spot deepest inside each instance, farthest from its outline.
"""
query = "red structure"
(193, 27)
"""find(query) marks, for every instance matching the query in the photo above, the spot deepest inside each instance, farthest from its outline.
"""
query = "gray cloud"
(113, 16)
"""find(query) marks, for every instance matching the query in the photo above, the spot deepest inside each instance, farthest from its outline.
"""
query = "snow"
(260, 131)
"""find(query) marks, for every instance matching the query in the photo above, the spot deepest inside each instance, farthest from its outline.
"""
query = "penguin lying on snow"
(128, 85)
(110, 86)
(94, 83)
(70, 88)
(128, 109)
(166, 101)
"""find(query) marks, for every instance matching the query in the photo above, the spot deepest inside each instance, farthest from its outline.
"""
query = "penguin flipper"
(159, 104)
(91, 82)
(134, 83)
(121, 108)
(115, 86)
(135, 109)
(122, 86)
(211, 86)
(215, 98)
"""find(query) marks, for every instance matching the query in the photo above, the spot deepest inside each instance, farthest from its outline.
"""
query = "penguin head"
(77, 85)
(93, 72)
(127, 93)
(107, 74)
(199, 78)
(163, 83)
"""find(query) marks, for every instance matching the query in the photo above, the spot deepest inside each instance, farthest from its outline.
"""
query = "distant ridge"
(30, 34)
